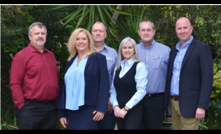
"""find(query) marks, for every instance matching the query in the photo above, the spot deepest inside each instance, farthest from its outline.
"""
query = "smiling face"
(82, 42)
(128, 51)
(183, 30)
(38, 36)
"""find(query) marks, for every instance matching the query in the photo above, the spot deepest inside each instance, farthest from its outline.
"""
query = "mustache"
(40, 39)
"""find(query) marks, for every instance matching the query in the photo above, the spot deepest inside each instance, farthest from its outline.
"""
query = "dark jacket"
(196, 78)
(96, 83)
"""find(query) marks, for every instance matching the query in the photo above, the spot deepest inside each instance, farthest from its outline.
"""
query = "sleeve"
(114, 65)
(206, 65)
(17, 74)
(141, 83)
(103, 84)
(113, 93)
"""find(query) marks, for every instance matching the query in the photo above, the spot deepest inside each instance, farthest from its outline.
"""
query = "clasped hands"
(120, 113)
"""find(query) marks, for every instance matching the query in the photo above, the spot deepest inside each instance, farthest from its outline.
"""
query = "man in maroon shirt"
(34, 82)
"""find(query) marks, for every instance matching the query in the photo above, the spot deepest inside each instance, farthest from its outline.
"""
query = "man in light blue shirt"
(177, 66)
(155, 56)
(99, 35)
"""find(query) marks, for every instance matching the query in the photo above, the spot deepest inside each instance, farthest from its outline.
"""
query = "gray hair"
(147, 20)
(120, 56)
(36, 24)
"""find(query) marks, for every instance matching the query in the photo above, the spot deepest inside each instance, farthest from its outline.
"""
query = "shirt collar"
(33, 49)
(151, 44)
(178, 45)
(103, 48)
(129, 62)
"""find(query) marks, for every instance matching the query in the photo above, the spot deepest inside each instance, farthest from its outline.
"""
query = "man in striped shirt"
(155, 56)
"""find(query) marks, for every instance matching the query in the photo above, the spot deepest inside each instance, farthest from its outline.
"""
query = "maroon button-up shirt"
(34, 75)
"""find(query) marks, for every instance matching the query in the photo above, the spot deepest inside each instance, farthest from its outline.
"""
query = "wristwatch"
(126, 109)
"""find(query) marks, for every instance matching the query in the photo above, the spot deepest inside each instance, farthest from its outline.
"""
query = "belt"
(176, 98)
(40, 101)
(152, 95)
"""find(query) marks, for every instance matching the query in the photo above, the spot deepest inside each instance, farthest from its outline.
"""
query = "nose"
(40, 35)
(182, 30)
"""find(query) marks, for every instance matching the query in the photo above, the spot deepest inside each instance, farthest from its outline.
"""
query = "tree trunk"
(116, 14)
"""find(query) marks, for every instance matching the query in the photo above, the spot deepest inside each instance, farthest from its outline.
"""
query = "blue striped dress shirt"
(155, 57)
(111, 57)
(174, 88)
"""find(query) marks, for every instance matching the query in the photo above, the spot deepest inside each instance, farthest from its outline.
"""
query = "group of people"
(137, 86)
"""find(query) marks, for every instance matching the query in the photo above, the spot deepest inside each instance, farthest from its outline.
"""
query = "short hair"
(36, 24)
(120, 56)
(99, 22)
(183, 18)
(72, 43)
(147, 20)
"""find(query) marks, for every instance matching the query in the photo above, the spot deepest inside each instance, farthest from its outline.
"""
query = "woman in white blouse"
(128, 86)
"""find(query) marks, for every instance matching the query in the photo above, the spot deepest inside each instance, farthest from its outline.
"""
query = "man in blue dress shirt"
(189, 79)
(155, 56)
(99, 35)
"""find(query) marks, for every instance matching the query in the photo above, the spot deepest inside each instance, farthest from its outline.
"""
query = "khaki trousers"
(178, 121)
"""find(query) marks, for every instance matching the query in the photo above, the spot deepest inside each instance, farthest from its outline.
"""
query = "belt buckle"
(148, 95)
(175, 98)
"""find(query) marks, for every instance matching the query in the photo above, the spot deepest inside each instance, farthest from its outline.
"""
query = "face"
(82, 42)
(146, 32)
(98, 32)
(183, 29)
(128, 51)
(38, 36)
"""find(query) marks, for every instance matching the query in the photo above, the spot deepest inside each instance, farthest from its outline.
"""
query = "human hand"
(109, 106)
(63, 122)
(98, 115)
(200, 113)
(122, 113)
(117, 111)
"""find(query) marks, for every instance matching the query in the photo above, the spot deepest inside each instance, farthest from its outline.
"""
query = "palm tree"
(86, 15)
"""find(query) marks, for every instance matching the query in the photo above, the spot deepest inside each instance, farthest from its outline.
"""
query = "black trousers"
(153, 112)
(35, 115)
(132, 120)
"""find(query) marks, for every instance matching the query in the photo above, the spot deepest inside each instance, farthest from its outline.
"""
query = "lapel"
(90, 58)
(173, 55)
(69, 63)
(188, 52)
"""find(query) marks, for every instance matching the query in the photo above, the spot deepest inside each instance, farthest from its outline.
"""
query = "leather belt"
(152, 95)
(176, 98)
(40, 101)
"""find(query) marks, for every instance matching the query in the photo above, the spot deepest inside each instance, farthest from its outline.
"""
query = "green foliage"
(216, 92)
(15, 21)
(214, 115)
(62, 20)
(86, 15)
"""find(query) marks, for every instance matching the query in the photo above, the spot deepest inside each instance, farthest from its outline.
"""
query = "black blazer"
(96, 83)
(196, 78)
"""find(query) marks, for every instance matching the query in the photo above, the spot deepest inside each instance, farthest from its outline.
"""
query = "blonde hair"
(120, 56)
(72, 43)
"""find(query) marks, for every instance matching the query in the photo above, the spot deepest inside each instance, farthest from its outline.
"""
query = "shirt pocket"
(156, 62)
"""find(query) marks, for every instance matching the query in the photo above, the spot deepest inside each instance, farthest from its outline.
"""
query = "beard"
(41, 43)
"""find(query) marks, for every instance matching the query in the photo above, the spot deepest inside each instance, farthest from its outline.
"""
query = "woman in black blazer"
(83, 95)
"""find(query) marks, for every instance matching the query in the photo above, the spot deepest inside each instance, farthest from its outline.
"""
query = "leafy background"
(120, 21)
